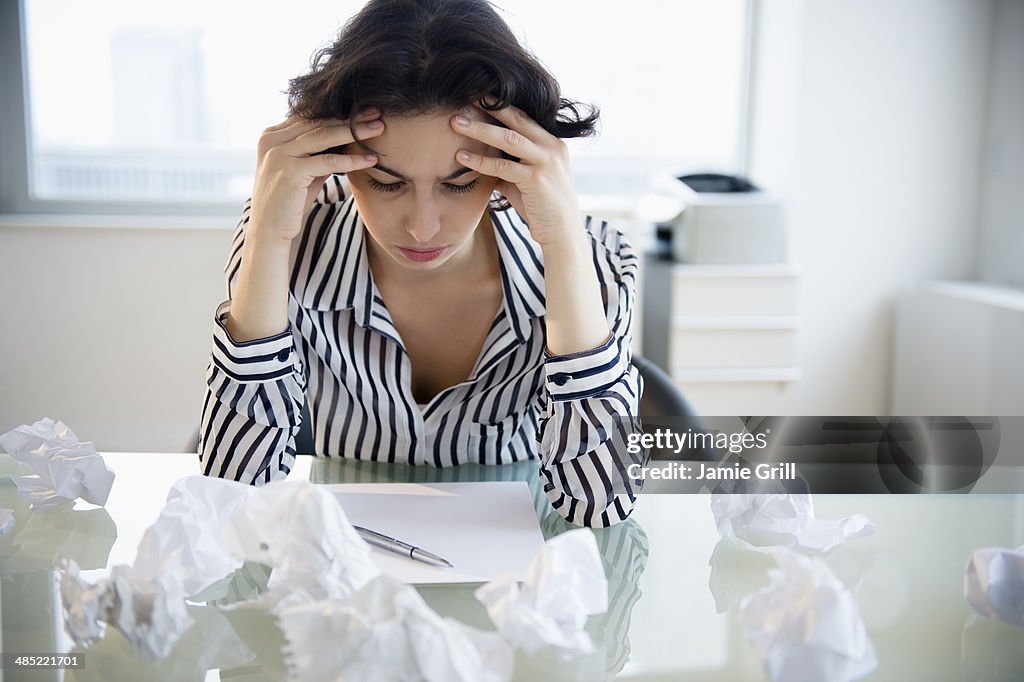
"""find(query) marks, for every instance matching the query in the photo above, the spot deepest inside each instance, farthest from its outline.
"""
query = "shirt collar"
(522, 271)
(332, 272)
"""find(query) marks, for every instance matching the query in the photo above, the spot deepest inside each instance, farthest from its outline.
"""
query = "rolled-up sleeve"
(254, 396)
(592, 404)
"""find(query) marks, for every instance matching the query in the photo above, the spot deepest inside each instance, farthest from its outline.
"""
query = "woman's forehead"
(424, 145)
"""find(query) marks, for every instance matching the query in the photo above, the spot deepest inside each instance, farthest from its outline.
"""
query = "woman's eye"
(384, 186)
(468, 187)
(395, 186)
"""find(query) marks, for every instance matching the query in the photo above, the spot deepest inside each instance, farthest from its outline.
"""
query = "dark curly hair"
(411, 57)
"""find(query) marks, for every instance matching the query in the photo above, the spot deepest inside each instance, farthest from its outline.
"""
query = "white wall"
(868, 118)
(1001, 218)
(109, 330)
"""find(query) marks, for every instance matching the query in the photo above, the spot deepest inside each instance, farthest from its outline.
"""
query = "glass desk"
(674, 588)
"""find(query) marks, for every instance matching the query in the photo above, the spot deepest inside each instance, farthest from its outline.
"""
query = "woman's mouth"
(421, 255)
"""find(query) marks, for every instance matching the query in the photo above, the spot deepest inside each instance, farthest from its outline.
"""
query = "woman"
(413, 263)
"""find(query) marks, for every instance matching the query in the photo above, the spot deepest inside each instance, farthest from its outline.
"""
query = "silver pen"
(397, 546)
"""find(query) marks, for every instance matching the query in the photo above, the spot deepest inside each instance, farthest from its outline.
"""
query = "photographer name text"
(710, 471)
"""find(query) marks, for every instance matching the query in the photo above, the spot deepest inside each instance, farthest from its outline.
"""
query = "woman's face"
(419, 205)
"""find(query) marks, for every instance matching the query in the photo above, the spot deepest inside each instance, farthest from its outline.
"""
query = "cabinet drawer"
(702, 291)
(731, 398)
(691, 348)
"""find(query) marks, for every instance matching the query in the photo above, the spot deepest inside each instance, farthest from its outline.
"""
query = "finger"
(506, 139)
(321, 138)
(296, 125)
(494, 166)
(329, 164)
(291, 120)
(272, 138)
(517, 119)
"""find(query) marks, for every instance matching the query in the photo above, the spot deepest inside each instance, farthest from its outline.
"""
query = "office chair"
(661, 400)
(661, 397)
(663, 404)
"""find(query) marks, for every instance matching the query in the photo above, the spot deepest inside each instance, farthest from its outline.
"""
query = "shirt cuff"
(584, 374)
(250, 361)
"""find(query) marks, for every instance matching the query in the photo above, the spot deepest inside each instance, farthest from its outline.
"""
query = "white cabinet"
(727, 334)
(958, 350)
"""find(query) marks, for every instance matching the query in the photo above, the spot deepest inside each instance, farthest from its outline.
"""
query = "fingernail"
(370, 157)
(461, 120)
(377, 123)
(463, 156)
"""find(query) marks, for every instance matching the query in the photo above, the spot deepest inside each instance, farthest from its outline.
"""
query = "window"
(151, 105)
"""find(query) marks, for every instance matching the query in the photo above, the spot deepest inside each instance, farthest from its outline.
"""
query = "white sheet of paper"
(485, 529)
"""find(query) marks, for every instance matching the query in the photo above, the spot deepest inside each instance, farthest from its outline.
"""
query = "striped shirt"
(342, 353)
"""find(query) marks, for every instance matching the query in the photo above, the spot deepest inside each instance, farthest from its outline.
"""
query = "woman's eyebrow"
(457, 173)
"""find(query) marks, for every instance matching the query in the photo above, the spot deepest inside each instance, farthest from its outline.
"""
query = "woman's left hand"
(539, 186)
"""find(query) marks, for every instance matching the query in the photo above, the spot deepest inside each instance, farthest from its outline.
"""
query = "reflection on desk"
(670, 616)
(623, 547)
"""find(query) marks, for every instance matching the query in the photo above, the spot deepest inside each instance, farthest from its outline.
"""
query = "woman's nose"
(423, 223)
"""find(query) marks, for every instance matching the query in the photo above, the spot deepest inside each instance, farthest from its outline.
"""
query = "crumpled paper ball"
(150, 614)
(187, 541)
(805, 625)
(208, 527)
(63, 468)
(783, 520)
(994, 583)
(300, 530)
(564, 586)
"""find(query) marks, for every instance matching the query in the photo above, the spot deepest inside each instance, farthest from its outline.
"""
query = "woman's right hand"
(291, 168)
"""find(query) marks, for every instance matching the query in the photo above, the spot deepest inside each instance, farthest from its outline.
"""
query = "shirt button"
(560, 378)
(283, 355)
